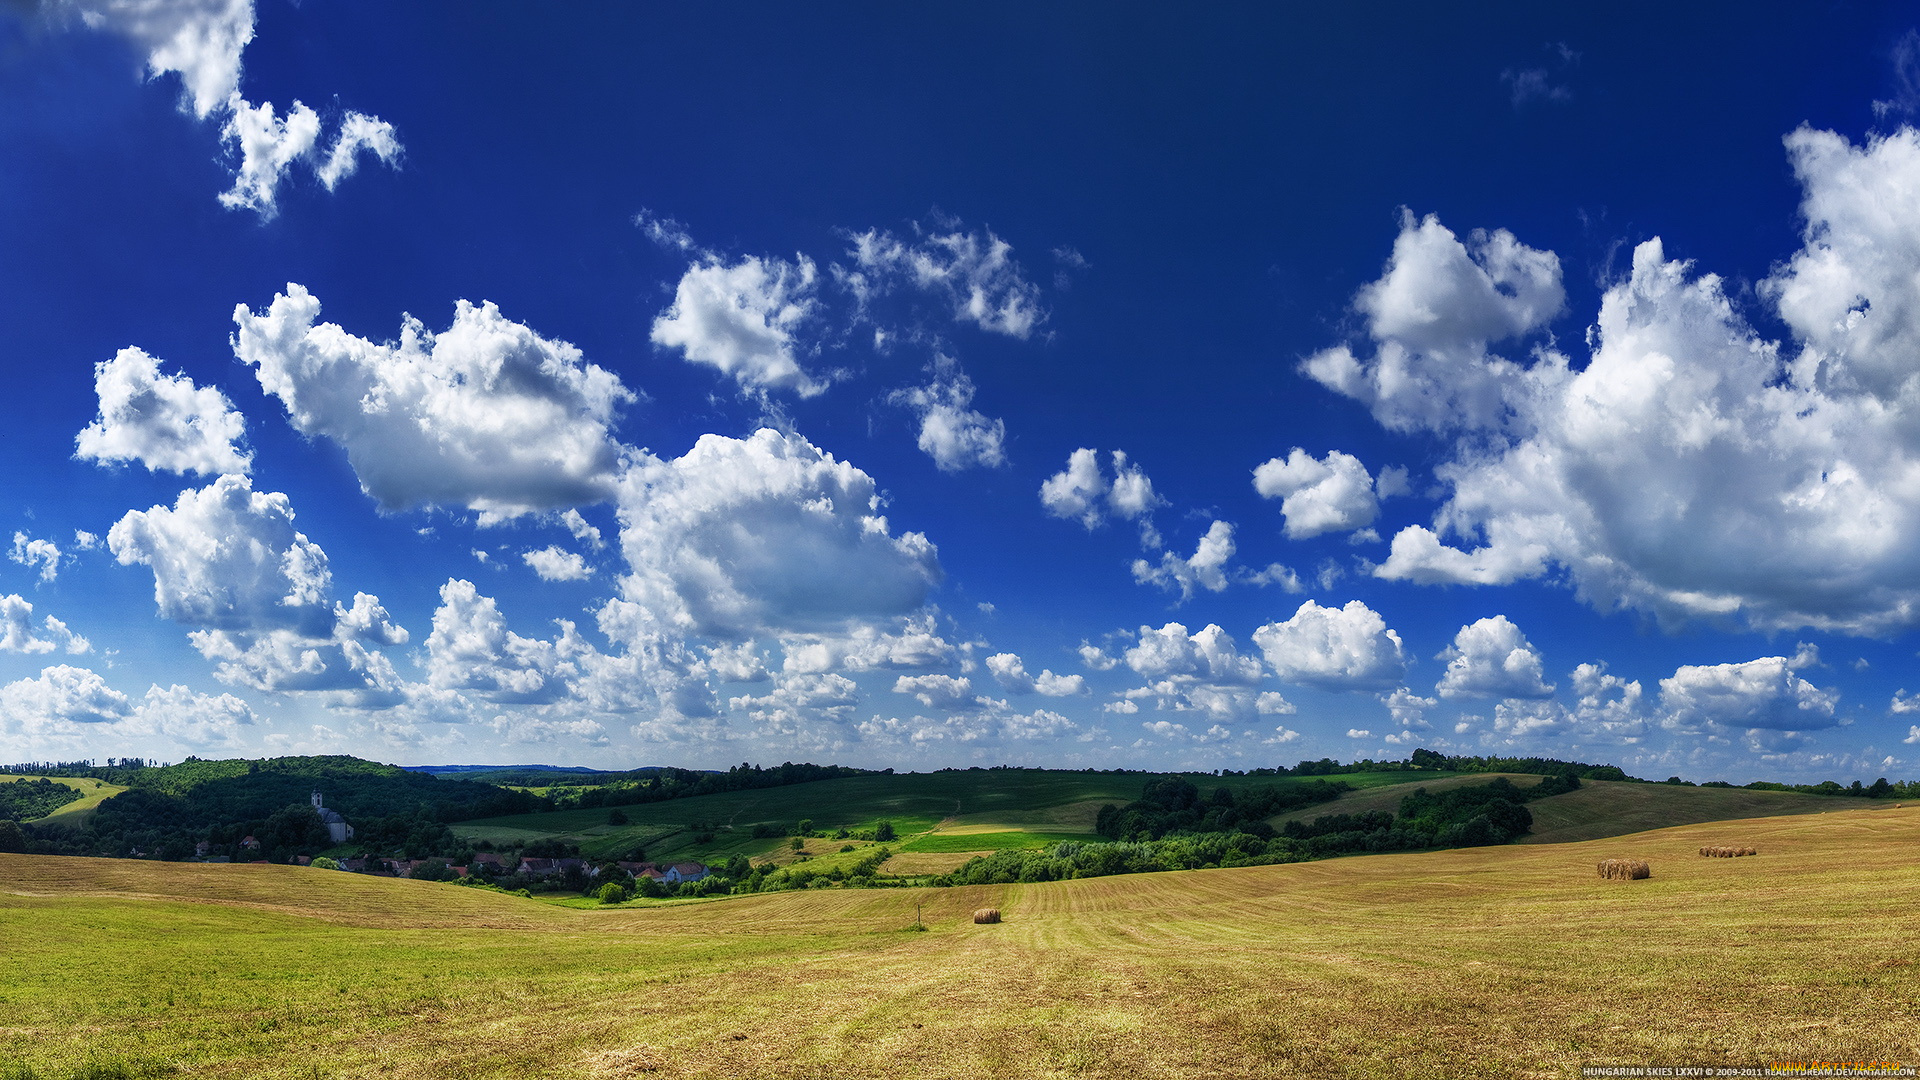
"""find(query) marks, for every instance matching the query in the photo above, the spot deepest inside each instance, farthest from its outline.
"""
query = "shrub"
(611, 893)
(324, 863)
(883, 832)
(616, 816)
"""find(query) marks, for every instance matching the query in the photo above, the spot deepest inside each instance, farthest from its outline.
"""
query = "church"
(337, 826)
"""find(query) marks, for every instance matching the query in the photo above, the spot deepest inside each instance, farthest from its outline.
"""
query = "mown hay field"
(1491, 962)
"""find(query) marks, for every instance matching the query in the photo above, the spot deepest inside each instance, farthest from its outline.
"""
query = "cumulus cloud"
(1206, 569)
(744, 321)
(1492, 658)
(582, 529)
(1432, 316)
(202, 42)
(1011, 672)
(937, 691)
(30, 552)
(1081, 491)
(973, 272)
(471, 648)
(955, 435)
(908, 642)
(180, 714)
(161, 421)
(486, 415)
(228, 557)
(1763, 693)
(553, 563)
(1693, 468)
(1333, 494)
(228, 561)
(17, 634)
(1344, 648)
(58, 702)
(767, 533)
(1200, 672)
(1408, 709)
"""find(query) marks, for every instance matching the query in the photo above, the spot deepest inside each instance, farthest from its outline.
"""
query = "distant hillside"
(1603, 808)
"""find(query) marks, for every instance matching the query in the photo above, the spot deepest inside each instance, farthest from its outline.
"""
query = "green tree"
(805, 828)
(883, 832)
(324, 863)
(11, 838)
(616, 816)
(611, 893)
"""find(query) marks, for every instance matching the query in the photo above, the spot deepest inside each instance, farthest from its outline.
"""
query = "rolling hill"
(1491, 962)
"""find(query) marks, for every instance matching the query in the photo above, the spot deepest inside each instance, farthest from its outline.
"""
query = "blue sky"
(625, 386)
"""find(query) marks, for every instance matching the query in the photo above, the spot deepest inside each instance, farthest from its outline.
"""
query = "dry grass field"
(1493, 962)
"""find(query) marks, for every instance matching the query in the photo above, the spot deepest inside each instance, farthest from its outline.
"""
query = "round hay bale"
(986, 915)
(1625, 869)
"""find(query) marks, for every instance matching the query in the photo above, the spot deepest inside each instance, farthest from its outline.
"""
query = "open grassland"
(1491, 962)
(1612, 808)
(1050, 804)
(93, 793)
(1387, 798)
(1007, 800)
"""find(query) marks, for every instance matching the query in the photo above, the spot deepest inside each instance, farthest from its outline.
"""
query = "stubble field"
(1511, 961)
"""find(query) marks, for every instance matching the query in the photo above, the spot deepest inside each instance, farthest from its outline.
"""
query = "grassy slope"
(981, 803)
(1009, 799)
(1493, 962)
(75, 813)
(1609, 808)
(1383, 797)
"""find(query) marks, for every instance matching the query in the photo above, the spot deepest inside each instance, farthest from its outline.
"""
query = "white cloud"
(1492, 658)
(59, 697)
(1346, 648)
(554, 564)
(472, 649)
(743, 320)
(1082, 491)
(764, 533)
(1334, 494)
(1209, 653)
(1694, 469)
(161, 421)
(1608, 707)
(199, 40)
(1011, 672)
(1207, 569)
(1903, 702)
(975, 274)
(202, 42)
(911, 642)
(228, 561)
(936, 691)
(358, 132)
(582, 529)
(1359, 733)
(486, 415)
(1431, 317)
(182, 715)
(1270, 703)
(30, 552)
(1409, 710)
(17, 633)
(228, 557)
(953, 434)
(1097, 658)
(1763, 693)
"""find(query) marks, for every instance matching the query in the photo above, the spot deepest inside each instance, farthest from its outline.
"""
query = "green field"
(94, 793)
(1513, 961)
(983, 810)
(1012, 800)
